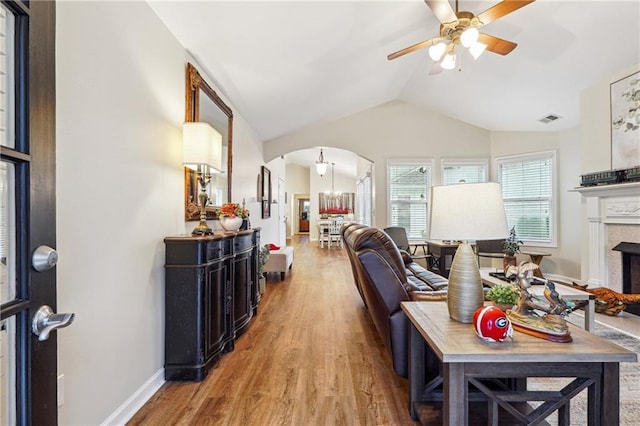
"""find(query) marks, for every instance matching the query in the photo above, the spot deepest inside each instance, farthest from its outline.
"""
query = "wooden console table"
(592, 363)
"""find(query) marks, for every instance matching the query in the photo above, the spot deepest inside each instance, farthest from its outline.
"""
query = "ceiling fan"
(461, 28)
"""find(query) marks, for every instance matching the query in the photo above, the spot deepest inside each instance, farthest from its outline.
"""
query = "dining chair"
(398, 235)
(489, 249)
(323, 233)
(335, 226)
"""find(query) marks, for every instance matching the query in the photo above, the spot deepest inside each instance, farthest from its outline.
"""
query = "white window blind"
(470, 171)
(408, 195)
(527, 189)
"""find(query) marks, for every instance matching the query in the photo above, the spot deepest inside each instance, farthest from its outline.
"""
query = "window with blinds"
(470, 171)
(527, 188)
(408, 192)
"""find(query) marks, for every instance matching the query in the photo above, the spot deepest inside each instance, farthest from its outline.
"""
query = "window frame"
(553, 201)
(461, 162)
(417, 162)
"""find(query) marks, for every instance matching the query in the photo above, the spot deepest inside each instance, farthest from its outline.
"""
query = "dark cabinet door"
(254, 285)
(241, 293)
(214, 310)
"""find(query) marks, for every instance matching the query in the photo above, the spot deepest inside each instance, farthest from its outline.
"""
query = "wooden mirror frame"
(195, 84)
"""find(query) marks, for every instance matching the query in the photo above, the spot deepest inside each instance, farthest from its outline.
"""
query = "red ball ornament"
(492, 324)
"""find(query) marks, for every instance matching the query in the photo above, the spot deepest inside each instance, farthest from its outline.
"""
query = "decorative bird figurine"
(558, 305)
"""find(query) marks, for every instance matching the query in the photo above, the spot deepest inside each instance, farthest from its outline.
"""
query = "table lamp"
(202, 152)
(463, 212)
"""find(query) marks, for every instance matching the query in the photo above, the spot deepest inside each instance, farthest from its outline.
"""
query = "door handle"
(45, 321)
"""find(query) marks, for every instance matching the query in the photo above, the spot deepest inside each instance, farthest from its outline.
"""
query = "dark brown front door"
(27, 212)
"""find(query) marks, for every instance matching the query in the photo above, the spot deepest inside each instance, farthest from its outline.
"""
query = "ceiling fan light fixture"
(437, 50)
(449, 62)
(476, 49)
(469, 36)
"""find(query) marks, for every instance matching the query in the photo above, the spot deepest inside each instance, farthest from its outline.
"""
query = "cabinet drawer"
(242, 243)
(218, 249)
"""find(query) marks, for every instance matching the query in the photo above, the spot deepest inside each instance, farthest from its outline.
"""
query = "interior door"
(304, 207)
(27, 218)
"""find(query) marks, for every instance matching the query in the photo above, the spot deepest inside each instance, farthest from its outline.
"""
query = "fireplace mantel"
(605, 205)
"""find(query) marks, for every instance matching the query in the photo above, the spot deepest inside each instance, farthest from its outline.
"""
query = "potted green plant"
(263, 257)
(504, 296)
(510, 247)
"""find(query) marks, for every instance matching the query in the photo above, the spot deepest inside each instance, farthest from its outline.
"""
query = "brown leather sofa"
(385, 277)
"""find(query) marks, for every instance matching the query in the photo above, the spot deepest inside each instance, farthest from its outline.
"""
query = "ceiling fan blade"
(501, 9)
(413, 48)
(497, 45)
(436, 68)
(442, 9)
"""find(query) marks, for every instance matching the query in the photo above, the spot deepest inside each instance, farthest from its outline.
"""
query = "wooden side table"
(536, 257)
(590, 362)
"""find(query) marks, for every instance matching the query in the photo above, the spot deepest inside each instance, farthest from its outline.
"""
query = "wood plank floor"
(310, 357)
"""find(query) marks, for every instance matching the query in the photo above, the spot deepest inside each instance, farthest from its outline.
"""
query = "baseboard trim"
(561, 278)
(126, 411)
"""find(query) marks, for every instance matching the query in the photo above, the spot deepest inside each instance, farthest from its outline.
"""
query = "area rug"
(629, 383)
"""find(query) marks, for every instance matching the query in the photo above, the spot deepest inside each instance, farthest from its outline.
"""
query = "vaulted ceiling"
(285, 65)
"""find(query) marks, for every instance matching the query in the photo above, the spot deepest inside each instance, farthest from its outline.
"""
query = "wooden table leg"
(608, 395)
(417, 380)
(455, 405)
(537, 259)
(589, 315)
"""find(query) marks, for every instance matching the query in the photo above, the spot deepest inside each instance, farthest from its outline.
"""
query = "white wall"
(297, 187)
(392, 130)
(120, 105)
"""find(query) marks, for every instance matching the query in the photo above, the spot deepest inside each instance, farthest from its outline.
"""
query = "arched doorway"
(347, 172)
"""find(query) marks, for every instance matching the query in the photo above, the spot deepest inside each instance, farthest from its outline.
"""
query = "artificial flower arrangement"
(232, 210)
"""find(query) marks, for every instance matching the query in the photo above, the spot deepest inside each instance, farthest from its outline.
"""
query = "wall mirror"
(204, 104)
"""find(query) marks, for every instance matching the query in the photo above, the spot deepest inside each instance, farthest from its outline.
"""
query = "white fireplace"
(612, 216)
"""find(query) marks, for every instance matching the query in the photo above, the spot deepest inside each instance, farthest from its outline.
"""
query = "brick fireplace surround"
(612, 216)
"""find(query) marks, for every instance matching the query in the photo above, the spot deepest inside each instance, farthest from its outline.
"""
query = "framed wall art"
(265, 179)
(625, 122)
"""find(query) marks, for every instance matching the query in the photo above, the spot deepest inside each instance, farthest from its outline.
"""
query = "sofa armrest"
(428, 296)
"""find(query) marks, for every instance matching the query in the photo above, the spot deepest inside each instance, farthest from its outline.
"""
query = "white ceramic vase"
(231, 223)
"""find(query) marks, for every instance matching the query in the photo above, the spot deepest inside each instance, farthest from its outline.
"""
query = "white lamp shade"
(449, 62)
(467, 211)
(437, 50)
(201, 145)
(469, 36)
(321, 167)
(476, 49)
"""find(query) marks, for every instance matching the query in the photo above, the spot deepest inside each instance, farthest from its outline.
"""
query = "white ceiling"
(285, 65)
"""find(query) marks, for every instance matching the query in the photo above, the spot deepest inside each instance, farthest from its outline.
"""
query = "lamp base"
(464, 294)
(202, 229)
